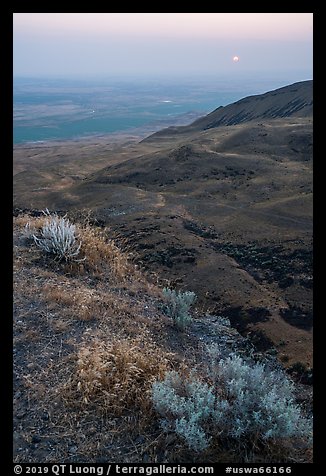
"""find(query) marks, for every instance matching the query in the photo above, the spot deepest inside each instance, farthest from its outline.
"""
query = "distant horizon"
(68, 108)
(161, 44)
(248, 77)
(194, 76)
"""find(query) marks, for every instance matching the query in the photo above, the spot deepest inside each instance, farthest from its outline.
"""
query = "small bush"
(57, 237)
(247, 401)
(187, 403)
(177, 305)
(261, 402)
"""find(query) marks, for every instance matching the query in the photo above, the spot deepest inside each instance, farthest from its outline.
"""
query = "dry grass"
(119, 311)
(102, 256)
(59, 294)
(79, 303)
(31, 223)
(116, 376)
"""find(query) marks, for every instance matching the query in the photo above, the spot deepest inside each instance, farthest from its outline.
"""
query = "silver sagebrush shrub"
(177, 305)
(261, 401)
(246, 400)
(185, 404)
(58, 237)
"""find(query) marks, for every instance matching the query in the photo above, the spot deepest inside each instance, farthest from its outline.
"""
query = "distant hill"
(197, 154)
(293, 100)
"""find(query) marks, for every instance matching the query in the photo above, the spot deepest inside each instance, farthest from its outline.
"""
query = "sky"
(162, 44)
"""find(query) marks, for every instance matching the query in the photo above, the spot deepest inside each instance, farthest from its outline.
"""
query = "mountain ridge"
(292, 100)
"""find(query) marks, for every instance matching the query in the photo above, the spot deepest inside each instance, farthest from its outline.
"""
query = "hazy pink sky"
(161, 43)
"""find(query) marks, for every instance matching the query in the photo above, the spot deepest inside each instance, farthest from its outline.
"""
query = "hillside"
(293, 100)
(222, 207)
(92, 338)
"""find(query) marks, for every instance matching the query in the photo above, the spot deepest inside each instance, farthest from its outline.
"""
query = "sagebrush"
(186, 404)
(58, 237)
(261, 401)
(246, 401)
(177, 305)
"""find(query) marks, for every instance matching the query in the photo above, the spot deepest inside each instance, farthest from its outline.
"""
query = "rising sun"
(235, 59)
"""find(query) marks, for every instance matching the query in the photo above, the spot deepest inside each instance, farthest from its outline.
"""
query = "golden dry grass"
(34, 223)
(102, 255)
(116, 375)
(78, 304)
